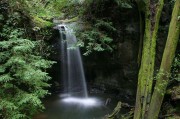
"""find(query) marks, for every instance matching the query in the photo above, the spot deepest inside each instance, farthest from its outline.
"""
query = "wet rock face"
(114, 71)
(126, 51)
(117, 70)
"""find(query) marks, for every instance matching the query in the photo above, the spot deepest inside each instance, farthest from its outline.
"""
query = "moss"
(145, 78)
(74, 19)
(165, 68)
(40, 22)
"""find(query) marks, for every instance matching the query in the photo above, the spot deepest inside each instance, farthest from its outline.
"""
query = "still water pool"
(60, 107)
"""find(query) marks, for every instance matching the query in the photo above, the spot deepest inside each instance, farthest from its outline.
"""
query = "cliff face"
(117, 70)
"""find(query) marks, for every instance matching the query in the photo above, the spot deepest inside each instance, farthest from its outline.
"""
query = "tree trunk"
(168, 56)
(141, 29)
(145, 77)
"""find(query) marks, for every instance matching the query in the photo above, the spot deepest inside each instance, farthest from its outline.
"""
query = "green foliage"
(100, 31)
(23, 76)
(175, 68)
(124, 3)
(41, 12)
(1, 17)
(58, 4)
(38, 8)
(71, 8)
(96, 38)
(41, 23)
(100, 24)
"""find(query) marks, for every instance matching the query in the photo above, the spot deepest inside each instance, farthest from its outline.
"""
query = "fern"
(124, 3)
(103, 24)
(22, 73)
(96, 38)
(5, 78)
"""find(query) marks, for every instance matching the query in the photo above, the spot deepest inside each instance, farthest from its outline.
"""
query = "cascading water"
(75, 103)
(72, 69)
(73, 72)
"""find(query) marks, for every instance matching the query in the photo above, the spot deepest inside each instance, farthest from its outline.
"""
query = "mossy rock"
(39, 22)
(74, 19)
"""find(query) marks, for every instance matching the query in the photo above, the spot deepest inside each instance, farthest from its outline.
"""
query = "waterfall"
(71, 64)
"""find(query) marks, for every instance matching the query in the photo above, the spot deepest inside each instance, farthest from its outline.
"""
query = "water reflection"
(63, 107)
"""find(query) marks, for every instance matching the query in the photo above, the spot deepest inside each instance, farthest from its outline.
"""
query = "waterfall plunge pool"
(68, 106)
(62, 106)
(87, 102)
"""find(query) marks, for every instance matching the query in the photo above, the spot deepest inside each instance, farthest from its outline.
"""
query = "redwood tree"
(145, 106)
(168, 56)
(152, 11)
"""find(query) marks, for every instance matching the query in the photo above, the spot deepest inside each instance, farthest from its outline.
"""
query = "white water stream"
(72, 69)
